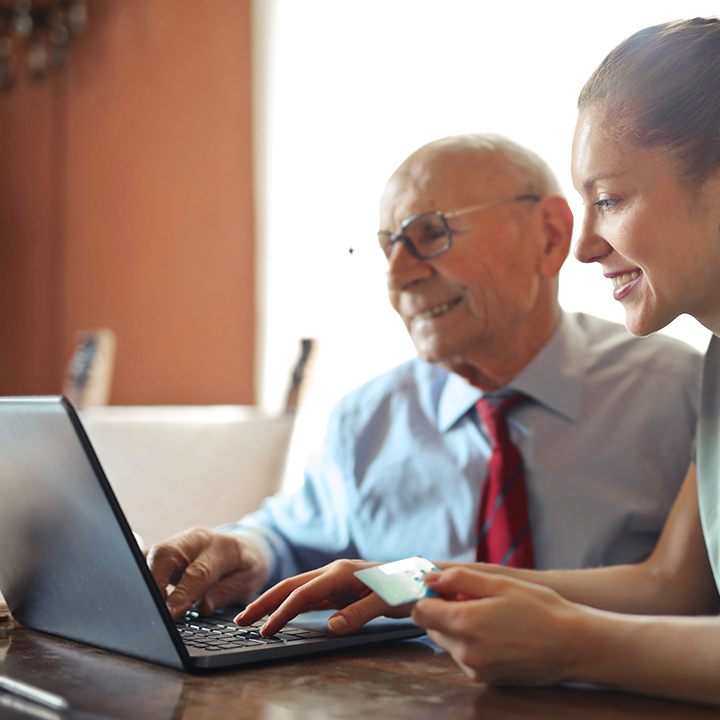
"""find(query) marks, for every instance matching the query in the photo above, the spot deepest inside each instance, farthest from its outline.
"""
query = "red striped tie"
(504, 534)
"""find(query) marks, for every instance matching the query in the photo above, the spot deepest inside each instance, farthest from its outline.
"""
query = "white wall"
(347, 90)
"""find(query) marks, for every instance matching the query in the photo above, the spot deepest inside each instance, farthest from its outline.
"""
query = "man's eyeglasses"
(427, 235)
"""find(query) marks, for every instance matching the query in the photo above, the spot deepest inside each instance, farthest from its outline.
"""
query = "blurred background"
(191, 175)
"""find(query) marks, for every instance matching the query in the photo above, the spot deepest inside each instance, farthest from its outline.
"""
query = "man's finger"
(233, 588)
(169, 558)
(199, 576)
(165, 561)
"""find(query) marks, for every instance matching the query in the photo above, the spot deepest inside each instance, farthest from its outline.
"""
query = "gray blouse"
(708, 455)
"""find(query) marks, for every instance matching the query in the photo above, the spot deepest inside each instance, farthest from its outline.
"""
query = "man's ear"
(557, 220)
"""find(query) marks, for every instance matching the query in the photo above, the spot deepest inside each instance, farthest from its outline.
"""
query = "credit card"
(399, 582)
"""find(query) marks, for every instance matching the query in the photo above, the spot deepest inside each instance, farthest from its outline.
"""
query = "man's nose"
(404, 268)
(590, 245)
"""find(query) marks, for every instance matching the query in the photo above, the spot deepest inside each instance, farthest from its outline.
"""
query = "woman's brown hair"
(661, 88)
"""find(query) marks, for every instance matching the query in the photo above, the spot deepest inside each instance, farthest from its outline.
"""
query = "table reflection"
(97, 683)
(409, 679)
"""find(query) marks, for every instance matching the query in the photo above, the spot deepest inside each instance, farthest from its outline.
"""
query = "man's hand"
(332, 586)
(501, 630)
(202, 564)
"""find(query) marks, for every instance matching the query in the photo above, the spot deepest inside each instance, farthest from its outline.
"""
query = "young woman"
(646, 160)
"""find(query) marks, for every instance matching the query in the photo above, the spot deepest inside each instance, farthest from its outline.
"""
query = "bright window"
(348, 90)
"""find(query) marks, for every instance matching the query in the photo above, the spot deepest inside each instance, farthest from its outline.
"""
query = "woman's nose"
(590, 245)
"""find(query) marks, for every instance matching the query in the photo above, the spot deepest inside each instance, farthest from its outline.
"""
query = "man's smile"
(437, 310)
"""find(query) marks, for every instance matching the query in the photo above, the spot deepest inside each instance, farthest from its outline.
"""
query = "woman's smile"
(624, 282)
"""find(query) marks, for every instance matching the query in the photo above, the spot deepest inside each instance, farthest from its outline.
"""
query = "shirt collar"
(554, 377)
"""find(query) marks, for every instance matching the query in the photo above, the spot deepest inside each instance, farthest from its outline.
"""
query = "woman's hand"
(332, 586)
(501, 630)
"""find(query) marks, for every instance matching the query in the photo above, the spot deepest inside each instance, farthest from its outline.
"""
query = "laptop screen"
(70, 565)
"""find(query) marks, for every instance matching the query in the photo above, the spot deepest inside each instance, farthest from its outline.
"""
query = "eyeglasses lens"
(428, 233)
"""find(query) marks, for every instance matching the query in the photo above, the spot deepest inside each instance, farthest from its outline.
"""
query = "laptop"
(70, 565)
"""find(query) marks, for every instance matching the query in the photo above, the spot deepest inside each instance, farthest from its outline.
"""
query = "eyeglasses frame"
(407, 242)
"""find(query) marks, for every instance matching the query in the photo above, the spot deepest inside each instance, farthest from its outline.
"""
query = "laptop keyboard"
(207, 633)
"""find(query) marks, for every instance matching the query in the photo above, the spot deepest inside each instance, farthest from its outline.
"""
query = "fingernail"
(337, 624)
(171, 608)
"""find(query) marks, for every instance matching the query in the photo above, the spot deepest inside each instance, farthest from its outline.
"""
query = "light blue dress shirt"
(606, 441)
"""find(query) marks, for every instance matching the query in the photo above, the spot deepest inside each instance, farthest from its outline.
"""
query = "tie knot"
(504, 404)
(494, 409)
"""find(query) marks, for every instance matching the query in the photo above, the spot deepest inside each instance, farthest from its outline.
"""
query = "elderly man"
(424, 459)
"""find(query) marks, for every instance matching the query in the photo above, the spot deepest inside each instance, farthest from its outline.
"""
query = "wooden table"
(409, 679)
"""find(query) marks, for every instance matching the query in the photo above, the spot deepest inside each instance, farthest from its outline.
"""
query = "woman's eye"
(605, 203)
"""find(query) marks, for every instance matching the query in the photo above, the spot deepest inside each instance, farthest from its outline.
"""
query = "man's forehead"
(445, 181)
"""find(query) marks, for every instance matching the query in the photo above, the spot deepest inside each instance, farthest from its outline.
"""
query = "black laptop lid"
(69, 564)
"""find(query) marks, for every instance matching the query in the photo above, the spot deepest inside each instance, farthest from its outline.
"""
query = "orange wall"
(126, 202)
